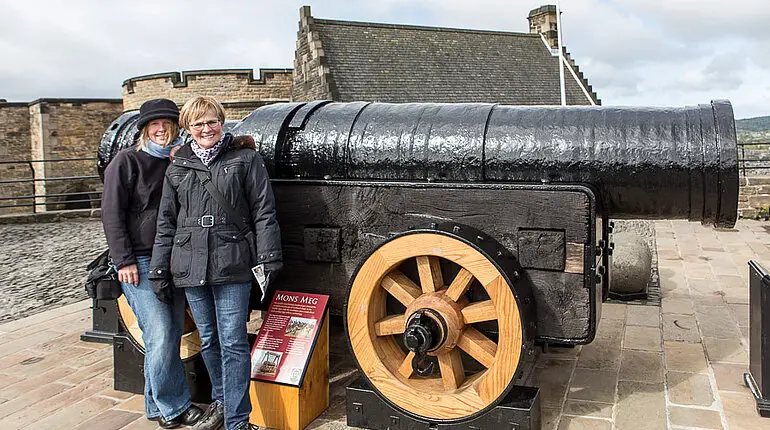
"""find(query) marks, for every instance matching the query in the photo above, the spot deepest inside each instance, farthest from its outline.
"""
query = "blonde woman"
(133, 184)
(201, 249)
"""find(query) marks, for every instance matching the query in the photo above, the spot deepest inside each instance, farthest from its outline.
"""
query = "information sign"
(286, 339)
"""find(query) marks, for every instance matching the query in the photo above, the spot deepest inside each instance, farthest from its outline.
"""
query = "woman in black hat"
(133, 184)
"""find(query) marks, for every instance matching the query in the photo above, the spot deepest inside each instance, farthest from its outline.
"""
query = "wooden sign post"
(290, 362)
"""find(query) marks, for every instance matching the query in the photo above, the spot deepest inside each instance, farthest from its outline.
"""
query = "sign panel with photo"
(287, 337)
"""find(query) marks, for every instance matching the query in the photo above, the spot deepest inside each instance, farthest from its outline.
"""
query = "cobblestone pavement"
(675, 366)
(43, 265)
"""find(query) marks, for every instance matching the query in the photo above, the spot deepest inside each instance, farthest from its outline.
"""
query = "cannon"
(452, 237)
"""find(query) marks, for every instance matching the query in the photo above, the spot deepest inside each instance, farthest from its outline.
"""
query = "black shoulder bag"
(102, 281)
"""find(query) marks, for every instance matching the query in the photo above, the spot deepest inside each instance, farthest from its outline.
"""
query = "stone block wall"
(754, 196)
(50, 129)
(15, 146)
(238, 90)
(311, 73)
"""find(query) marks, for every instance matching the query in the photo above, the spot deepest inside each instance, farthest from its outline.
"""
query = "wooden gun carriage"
(453, 236)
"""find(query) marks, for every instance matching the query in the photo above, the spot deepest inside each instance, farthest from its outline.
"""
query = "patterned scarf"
(207, 155)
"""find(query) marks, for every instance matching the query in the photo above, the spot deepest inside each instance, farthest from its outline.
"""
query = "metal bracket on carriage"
(425, 332)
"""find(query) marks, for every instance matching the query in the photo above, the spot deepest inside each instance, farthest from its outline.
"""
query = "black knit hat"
(156, 109)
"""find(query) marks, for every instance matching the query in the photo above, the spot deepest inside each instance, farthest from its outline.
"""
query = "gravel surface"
(43, 265)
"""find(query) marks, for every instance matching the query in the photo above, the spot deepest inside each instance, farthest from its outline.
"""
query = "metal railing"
(80, 197)
(749, 164)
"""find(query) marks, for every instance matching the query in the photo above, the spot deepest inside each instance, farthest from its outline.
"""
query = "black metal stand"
(520, 410)
(104, 322)
(758, 377)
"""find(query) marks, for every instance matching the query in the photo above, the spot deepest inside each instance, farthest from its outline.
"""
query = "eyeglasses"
(200, 125)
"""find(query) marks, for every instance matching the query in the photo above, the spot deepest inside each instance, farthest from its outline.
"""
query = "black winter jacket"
(196, 255)
(133, 183)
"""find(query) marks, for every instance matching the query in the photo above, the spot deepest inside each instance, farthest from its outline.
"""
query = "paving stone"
(725, 350)
(553, 381)
(641, 366)
(6, 380)
(586, 408)
(34, 413)
(579, 423)
(716, 321)
(593, 385)
(549, 418)
(643, 315)
(33, 381)
(77, 413)
(682, 328)
(638, 403)
(109, 419)
(689, 388)
(729, 377)
(677, 305)
(610, 330)
(740, 312)
(88, 372)
(613, 311)
(741, 412)
(562, 352)
(691, 417)
(144, 424)
(643, 338)
(31, 397)
(136, 404)
(600, 354)
(685, 357)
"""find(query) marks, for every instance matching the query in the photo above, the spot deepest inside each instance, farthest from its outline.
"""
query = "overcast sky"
(634, 52)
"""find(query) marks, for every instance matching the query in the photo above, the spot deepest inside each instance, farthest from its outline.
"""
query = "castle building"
(334, 60)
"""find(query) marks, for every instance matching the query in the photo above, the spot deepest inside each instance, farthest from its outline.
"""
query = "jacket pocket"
(233, 256)
(181, 255)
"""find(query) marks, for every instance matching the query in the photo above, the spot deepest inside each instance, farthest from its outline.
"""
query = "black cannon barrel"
(646, 162)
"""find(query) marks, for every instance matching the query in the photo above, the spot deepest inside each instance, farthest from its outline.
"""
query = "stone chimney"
(543, 21)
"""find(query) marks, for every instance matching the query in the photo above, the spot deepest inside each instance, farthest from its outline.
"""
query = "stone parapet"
(238, 90)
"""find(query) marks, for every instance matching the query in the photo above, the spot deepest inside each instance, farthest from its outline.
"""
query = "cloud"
(649, 52)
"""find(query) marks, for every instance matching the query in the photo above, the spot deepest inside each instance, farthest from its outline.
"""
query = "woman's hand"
(129, 274)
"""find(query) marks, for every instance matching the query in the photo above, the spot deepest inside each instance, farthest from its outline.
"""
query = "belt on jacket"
(205, 221)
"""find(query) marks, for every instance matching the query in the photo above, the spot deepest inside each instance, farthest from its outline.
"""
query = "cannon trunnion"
(453, 236)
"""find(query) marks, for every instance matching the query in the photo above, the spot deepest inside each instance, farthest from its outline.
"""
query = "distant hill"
(760, 123)
(753, 130)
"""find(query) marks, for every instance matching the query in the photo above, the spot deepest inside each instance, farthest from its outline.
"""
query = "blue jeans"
(165, 387)
(220, 313)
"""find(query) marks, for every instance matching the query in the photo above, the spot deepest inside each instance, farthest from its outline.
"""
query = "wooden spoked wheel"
(375, 333)
(191, 341)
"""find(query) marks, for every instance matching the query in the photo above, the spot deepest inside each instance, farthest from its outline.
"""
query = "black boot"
(213, 418)
(189, 417)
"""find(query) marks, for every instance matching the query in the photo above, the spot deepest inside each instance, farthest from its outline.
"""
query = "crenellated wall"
(238, 90)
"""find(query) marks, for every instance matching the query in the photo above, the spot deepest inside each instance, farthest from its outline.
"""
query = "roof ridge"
(420, 27)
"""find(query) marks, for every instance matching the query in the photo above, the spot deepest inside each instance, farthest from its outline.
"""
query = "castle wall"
(69, 129)
(238, 90)
(15, 146)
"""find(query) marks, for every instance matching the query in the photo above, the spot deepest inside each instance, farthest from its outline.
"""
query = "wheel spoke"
(393, 324)
(479, 311)
(460, 284)
(452, 371)
(430, 273)
(405, 369)
(478, 346)
(401, 287)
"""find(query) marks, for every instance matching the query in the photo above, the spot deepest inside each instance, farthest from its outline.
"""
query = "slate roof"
(401, 63)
